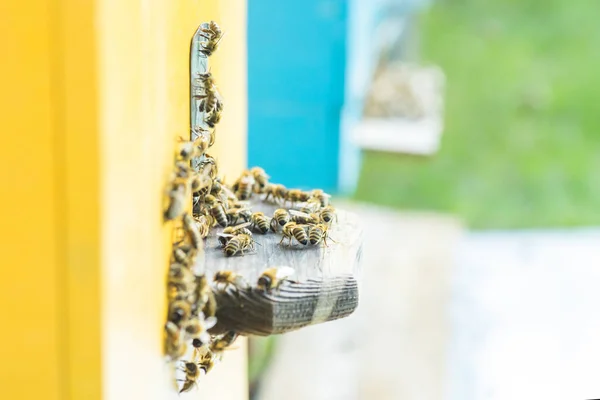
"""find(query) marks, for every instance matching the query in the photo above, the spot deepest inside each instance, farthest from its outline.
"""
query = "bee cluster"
(192, 306)
(304, 217)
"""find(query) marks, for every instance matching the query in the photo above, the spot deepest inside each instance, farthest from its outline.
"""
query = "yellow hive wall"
(95, 94)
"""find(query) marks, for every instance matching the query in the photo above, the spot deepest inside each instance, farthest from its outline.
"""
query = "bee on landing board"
(223, 279)
(281, 216)
(272, 278)
(293, 230)
(260, 222)
(239, 244)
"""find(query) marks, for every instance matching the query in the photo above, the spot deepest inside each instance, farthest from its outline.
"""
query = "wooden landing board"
(325, 289)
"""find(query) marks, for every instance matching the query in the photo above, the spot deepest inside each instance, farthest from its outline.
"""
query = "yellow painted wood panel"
(94, 95)
(29, 285)
(144, 103)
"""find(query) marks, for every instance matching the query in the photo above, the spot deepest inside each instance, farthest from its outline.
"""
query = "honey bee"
(179, 311)
(213, 36)
(179, 274)
(210, 100)
(208, 166)
(212, 29)
(275, 191)
(235, 214)
(260, 222)
(236, 230)
(239, 244)
(293, 230)
(195, 148)
(320, 196)
(178, 199)
(327, 214)
(175, 346)
(197, 328)
(192, 373)
(204, 223)
(205, 298)
(218, 212)
(280, 217)
(224, 238)
(318, 233)
(304, 218)
(192, 231)
(223, 279)
(222, 342)
(244, 185)
(261, 179)
(296, 195)
(272, 278)
(184, 254)
(212, 118)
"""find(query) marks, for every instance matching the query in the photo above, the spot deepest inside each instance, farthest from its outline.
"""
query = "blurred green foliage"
(521, 146)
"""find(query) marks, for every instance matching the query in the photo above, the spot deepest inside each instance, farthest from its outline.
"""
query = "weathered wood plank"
(325, 286)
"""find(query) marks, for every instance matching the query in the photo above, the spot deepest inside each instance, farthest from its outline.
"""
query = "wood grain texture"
(325, 285)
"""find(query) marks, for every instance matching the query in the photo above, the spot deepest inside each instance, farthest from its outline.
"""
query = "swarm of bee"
(304, 218)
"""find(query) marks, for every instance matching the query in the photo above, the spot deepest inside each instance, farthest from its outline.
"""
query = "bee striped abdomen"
(315, 235)
(233, 246)
(300, 235)
(218, 212)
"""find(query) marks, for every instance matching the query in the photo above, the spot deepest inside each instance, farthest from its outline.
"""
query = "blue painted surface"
(296, 68)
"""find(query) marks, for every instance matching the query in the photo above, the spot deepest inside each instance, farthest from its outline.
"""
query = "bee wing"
(284, 272)
(227, 235)
(299, 213)
(240, 226)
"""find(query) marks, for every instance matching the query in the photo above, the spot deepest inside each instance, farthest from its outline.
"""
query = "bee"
(197, 328)
(275, 191)
(210, 100)
(260, 222)
(320, 196)
(204, 223)
(222, 342)
(212, 118)
(211, 29)
(223, 279)
(175, 346)
(179, 312)
(224, 238)
(261, 179)
(208, 166)
(195, 148)
(293, 230)
(238, 244)
(280, 217)
(296, 195)
(184, 254)
(213, 36)
(192, 231)
(304, 218)
(192, 373)
(272, 278)
(318, 233)
(235, 214)
(244, 185)
(178, 199)
(327, 214)
(218, 212)
(205, 298)
(179, 274)
(236, 230)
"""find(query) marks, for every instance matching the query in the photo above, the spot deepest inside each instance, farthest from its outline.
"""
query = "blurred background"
(465, 134)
